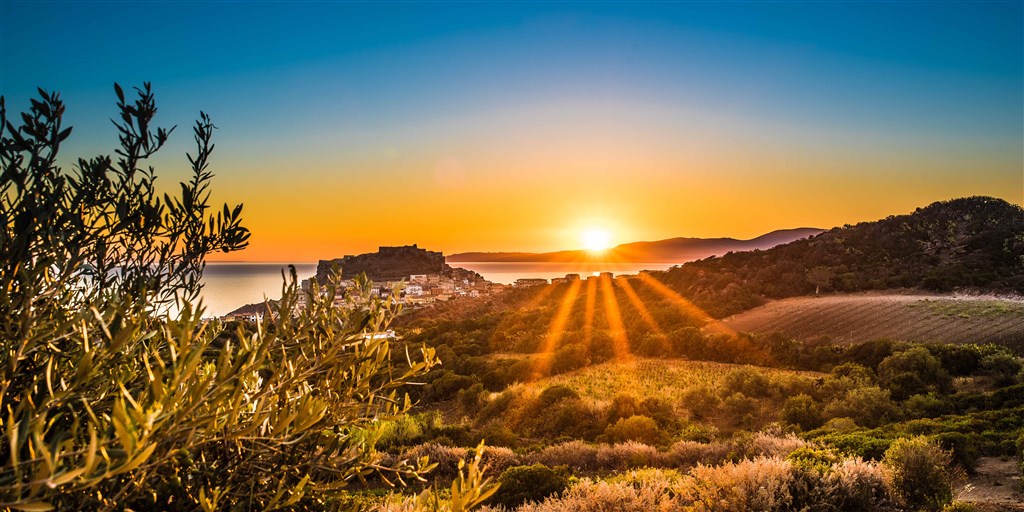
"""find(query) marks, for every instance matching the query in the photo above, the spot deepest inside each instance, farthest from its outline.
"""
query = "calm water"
(231, 285)
(228, 286)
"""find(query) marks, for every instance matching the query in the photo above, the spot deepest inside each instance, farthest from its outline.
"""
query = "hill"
(974, 243)
(672, 250)
(865, 317)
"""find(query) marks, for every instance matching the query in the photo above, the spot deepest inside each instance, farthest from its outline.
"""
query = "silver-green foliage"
(109, 400)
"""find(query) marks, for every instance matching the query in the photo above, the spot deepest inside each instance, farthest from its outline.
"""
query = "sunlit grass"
(645, 377)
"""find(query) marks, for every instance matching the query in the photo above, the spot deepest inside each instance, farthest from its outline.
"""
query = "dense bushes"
(920, 473)
(912, 372)
(520, 484)
(912, 477)
(634, 428)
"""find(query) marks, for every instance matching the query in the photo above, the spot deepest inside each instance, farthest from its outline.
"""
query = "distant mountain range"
(672, 250)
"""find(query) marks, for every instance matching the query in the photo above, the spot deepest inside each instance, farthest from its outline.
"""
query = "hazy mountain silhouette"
(672, 250)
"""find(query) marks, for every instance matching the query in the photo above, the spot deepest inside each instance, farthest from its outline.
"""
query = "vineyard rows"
(916, 318)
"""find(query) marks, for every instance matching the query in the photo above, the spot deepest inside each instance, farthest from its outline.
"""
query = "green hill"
(974, 243)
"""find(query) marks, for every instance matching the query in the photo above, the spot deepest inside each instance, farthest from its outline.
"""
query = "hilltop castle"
(387, 264)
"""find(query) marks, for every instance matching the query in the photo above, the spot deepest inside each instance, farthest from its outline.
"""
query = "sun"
(596, 240)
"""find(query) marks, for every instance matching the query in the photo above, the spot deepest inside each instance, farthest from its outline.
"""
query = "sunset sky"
(498, 126)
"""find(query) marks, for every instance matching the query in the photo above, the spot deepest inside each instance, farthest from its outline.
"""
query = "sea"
(228, 286)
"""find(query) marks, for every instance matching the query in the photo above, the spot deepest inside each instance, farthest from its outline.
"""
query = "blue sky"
(369, 94)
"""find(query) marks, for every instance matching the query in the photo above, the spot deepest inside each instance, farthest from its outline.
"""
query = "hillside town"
(413, 276)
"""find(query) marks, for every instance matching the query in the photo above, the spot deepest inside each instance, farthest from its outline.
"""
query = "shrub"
(577, 455)
(500, 405)
(447, 458)
(569, 417)
(690, 453)
(569, 357)
(520, 484)
(860, 486)
(803, 411)
(553, 394)
(401, 431)
(599, 496)
(926, 406)
(628, 455)
(813, 458)
(654, 345)
(768, 445)
(759, 484)
(857, 443)
(447, 383)
(701, 401)
(870, 407)
(634, 428)
(741, 408)
(498, 458)
(963, 448)
(472, 398)
(700, 432)
(911, 372)
(660, 410)
(920, 473)
(1001, 367)
(748, 381)
(623, 406)
(497, 434)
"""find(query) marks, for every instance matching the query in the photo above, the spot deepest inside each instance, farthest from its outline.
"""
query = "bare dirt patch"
(996, 486)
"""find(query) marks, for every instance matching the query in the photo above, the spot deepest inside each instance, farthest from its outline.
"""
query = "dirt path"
(996, 487)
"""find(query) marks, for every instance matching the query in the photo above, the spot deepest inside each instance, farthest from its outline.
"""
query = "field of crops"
(665, 378)
(917, 318)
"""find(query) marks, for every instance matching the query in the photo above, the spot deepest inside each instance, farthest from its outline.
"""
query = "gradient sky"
(498, 126)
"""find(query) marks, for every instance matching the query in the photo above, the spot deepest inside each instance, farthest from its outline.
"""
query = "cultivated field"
(917, 318)
(643, 377)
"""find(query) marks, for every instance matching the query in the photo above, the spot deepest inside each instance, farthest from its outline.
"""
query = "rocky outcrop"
(387, 264)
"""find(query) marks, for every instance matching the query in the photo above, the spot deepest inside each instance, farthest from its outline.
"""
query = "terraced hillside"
(917, 318)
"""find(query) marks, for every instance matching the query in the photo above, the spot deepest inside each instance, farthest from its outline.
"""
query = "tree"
(115, 393)
(820, 276)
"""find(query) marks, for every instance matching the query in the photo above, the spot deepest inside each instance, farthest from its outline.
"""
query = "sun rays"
(684, 305)
(587, 305)
(556, 330)
(620, 340)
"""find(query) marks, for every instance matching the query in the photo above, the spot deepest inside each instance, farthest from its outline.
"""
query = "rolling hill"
(974, 243)
(672, 250)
